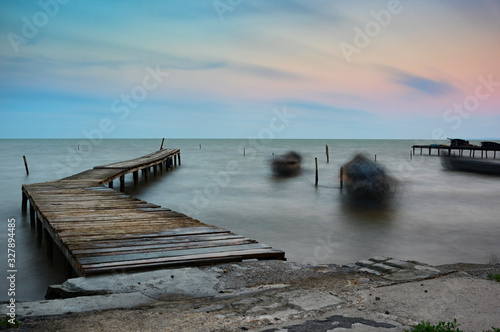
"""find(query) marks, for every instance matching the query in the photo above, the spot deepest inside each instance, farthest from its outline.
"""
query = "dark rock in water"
(286, 164)
(366, 179)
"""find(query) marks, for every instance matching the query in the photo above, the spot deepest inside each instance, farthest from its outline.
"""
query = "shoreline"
(273, 295)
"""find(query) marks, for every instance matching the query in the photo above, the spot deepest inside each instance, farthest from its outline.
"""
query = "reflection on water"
(440, 217)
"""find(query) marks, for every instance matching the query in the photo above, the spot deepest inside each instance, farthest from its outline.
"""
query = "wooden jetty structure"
(458, 150)
(101, 230)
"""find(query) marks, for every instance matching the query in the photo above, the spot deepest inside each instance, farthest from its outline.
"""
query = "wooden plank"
(166, 261)
(160, 247)
(123, 243)
(171, 253)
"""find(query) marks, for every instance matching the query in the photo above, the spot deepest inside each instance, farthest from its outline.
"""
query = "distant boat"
(465, 164)
(286, 164)
(490, 145)
(365, 179)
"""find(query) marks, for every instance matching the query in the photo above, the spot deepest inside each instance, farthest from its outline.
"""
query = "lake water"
(437, 217)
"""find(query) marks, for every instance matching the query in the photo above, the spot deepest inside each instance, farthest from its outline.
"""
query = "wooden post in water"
(26, 166)
(136, 177)
(200, 146)
(243, 152)
(411, 155)
(316, 181)
(32, 215)
(110, 184)
(179, 156)
(48, 243)
(375, 157)
(25, 202)
(341, 178)
(327, 154)
(122, 183)
(162, 140)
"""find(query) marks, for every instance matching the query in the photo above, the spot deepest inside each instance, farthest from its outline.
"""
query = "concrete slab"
(472, 302)
(82, 304)
(310, 299)
(160, 284)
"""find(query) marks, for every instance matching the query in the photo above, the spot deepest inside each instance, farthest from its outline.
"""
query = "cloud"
(264, 72)
(425, 85)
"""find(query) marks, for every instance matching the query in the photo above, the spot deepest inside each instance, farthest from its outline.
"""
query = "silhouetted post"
(110, 184)
(411, 155)
(316, 161)
(200, 146)
(136, 177)
(327, 154)
(26, 166)
(375, 157)
(341, 178)
(163, 140)
(25, 202)
(32, 215)
(243, 152)
(122, 183)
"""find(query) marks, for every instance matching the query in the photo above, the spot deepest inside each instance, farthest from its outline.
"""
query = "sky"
(396, 69)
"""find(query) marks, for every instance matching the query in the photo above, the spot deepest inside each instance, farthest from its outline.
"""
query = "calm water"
(437, 217)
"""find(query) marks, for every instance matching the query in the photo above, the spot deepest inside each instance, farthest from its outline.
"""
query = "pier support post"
(32, 215)
(179, 156)
(136, 177)
(327, 154)
(25, 202)
(155, 171)
(122, 183)
(48, 243)
(110, 184)
(39, 227)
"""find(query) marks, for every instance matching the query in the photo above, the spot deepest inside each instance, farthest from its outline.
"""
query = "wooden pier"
(454, 149)
(102, 230)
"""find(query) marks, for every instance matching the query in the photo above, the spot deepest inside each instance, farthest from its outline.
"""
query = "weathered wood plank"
(99, 229)
(171, 253)
(160, 247)
(239, 255)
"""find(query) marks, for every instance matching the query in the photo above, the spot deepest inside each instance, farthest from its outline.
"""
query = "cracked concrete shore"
(379, 294)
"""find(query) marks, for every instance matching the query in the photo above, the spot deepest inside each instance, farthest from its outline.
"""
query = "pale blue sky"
(221, 69)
